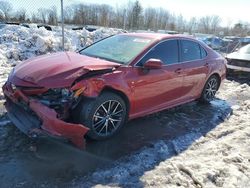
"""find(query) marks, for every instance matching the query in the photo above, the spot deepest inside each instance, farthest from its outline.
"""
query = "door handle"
(178, 70)
(206, 64)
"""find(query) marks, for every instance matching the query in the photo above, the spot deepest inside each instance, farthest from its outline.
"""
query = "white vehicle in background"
(239, 60)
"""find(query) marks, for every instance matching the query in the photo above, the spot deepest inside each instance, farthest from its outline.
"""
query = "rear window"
(203, 52)
(191, 51)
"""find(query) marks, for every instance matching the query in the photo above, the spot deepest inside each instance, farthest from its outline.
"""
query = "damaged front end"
(41, 111)
(42, 92)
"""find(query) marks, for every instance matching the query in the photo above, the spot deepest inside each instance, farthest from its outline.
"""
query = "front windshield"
(245, 49)
(119, 48)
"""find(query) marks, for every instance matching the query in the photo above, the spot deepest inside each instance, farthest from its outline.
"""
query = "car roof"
(158, 36)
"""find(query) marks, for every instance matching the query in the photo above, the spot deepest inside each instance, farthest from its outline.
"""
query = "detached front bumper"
(34, 118)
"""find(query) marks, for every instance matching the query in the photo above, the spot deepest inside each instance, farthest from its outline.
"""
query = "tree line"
(131, 16)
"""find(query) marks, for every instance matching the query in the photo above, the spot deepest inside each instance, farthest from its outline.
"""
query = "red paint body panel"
(74, 132)
(146, 90)
(50, 123)
(57, 70)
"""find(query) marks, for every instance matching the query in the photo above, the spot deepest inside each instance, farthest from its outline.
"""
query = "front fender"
(94, 86)
(90, 87)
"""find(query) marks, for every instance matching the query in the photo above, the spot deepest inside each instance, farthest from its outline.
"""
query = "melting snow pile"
(18, 43)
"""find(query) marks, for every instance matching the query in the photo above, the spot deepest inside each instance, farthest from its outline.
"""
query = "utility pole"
(62, 20)
(124, 19)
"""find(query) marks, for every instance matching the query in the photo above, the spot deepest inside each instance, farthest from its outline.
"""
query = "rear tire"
(210, 89)
(104, 115)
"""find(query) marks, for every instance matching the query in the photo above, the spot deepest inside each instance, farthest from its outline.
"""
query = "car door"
(155, 89)
(195, 68)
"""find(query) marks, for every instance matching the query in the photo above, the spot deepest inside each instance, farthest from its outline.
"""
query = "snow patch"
(220, 158)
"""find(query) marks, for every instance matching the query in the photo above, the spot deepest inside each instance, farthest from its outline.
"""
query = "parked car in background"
(240, 59)
(168, 32)
(215, 43)
(77, 28)
(144, 31)
(27, 25)
(47, 27)
(122, 77)
(89, 28)
(234, 43)
(3, 24)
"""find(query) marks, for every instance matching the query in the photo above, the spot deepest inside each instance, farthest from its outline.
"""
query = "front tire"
(104, 115)
(210, 89)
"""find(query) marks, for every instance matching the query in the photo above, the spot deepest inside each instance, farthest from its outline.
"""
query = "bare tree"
(80, 14)
(119, 16)
(180, 23)
(209, 24)
(241, 29)
(205, 24)
(34, 18)
(43, 12)
(149, 18)
(6, 8)
(163, 18)
(192, 25)
(136, 15)
(128, 16)
(21, 15)
(2, 16)
(68, 14)
(52, 16)
(215, 22)
(172, 23)
(104, 15)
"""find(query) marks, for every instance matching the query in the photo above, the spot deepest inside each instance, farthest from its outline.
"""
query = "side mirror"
(153, 64)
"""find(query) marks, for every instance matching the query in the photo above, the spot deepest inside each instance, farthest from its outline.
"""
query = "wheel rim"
(211, 89)
(107, 118)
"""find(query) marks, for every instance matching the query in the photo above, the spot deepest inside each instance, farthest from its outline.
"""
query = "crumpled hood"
(57, 70)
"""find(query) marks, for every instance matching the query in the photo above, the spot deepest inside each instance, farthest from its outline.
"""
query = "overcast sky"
(231, 11)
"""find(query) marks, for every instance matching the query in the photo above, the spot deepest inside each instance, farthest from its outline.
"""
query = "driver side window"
(166, 51)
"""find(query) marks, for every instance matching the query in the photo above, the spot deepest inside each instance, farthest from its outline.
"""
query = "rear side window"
(203, 52)
(190, 51)
(166, 51)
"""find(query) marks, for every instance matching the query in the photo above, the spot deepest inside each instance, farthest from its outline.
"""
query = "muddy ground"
(50, 163)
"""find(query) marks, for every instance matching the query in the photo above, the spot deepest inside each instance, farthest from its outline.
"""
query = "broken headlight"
(55, 97)
(66, 93)
(61, 100)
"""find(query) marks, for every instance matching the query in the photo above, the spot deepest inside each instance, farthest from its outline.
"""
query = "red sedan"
(94, 92)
